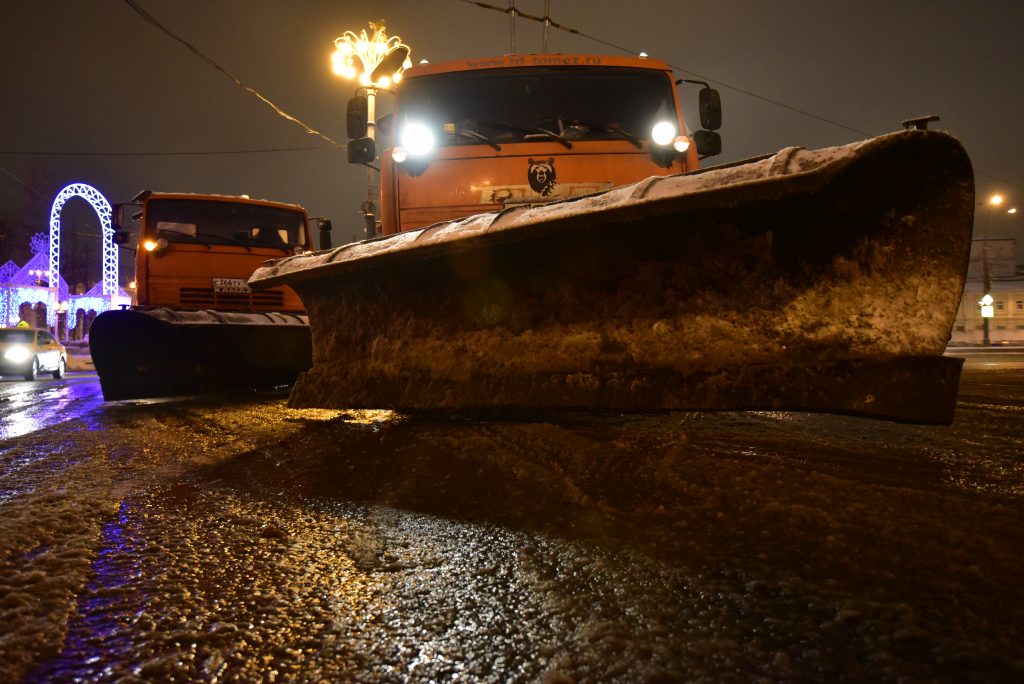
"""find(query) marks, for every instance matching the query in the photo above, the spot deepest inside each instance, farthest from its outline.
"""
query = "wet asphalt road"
(245, 541)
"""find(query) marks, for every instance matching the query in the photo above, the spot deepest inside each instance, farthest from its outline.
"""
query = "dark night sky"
(87, 76)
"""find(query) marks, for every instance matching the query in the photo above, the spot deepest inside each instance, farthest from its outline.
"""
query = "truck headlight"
(663, 133)
(417, 139)
(17, 354)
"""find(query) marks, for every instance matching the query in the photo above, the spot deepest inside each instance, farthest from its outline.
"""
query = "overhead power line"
(548, 21)
(27, 186)
(209, 60)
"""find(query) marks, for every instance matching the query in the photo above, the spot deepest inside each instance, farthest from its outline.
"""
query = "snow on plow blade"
(162, 352)
(820, 280)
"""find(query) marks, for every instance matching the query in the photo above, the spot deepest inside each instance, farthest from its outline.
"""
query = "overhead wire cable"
(23, 183)
(548, 21)
(209, 60)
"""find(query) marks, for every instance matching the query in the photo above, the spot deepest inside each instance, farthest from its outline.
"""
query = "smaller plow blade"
(822, 280)
(162, 352)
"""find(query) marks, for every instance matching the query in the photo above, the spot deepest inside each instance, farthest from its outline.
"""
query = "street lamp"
(376, 61)
(986, 303)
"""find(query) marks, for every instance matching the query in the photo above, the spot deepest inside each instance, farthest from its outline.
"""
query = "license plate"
(231, 285)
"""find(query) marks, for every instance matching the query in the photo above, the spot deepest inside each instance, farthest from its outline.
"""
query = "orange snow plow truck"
(195, 325)
(549, 242)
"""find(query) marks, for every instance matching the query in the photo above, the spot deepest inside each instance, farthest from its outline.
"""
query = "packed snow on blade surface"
(736, 287)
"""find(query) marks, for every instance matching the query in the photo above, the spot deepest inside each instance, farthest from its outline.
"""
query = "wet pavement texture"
(245, 541)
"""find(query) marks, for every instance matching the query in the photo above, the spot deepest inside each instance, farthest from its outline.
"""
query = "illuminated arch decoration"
(103, 210)
(39, 281)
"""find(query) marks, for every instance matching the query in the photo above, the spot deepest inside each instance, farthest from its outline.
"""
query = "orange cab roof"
(149, 194)
(537, 60)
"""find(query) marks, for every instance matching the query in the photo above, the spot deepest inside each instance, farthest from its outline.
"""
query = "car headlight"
(417, 140)
(663, 133)
(17, 354)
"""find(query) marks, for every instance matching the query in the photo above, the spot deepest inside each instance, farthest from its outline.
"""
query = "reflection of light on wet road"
(29, 406)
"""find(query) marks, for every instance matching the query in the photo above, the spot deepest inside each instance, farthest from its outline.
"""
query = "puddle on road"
(27, 407)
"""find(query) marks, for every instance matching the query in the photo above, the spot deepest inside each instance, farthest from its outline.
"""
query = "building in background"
(997, 256)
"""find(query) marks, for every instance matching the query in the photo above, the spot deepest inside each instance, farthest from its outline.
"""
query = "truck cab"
(480, 135)
(197, 251)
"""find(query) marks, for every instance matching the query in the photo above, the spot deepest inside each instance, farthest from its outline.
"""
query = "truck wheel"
(59, 373)
(33, 370)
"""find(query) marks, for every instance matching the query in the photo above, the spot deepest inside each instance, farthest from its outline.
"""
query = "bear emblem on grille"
(542, 175)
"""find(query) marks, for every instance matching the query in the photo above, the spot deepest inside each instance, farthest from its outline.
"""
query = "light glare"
(417, 139)
(663, 133)
(16, 354)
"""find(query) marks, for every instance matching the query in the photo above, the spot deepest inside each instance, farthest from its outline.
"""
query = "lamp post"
(376, 61)
(987, 301)
(62, 320)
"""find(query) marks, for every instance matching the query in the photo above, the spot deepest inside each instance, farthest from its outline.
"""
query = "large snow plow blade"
(162, 352)
(822, 280)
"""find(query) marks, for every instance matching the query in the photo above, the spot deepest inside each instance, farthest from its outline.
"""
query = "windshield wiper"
(551, 134)
(541, 131)
(194, 237)
(606, 129)
(475, 135)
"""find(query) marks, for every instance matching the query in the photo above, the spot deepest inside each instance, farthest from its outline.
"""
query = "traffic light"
(361, 151)
(356, 119)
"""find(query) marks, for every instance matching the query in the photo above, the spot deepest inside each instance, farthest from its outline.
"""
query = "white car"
(29, 352)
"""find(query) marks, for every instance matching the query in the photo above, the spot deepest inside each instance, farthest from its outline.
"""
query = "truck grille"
(204, 298)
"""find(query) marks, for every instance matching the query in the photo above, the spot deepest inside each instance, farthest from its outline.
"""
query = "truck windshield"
(516, 105)
(212, 222)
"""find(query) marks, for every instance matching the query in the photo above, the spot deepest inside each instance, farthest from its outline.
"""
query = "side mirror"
(386, 124)
(356, 118)
(118, 218)
(708, 143)
(361, 151)
(710, 103)
(325, 233)
(121, 237)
